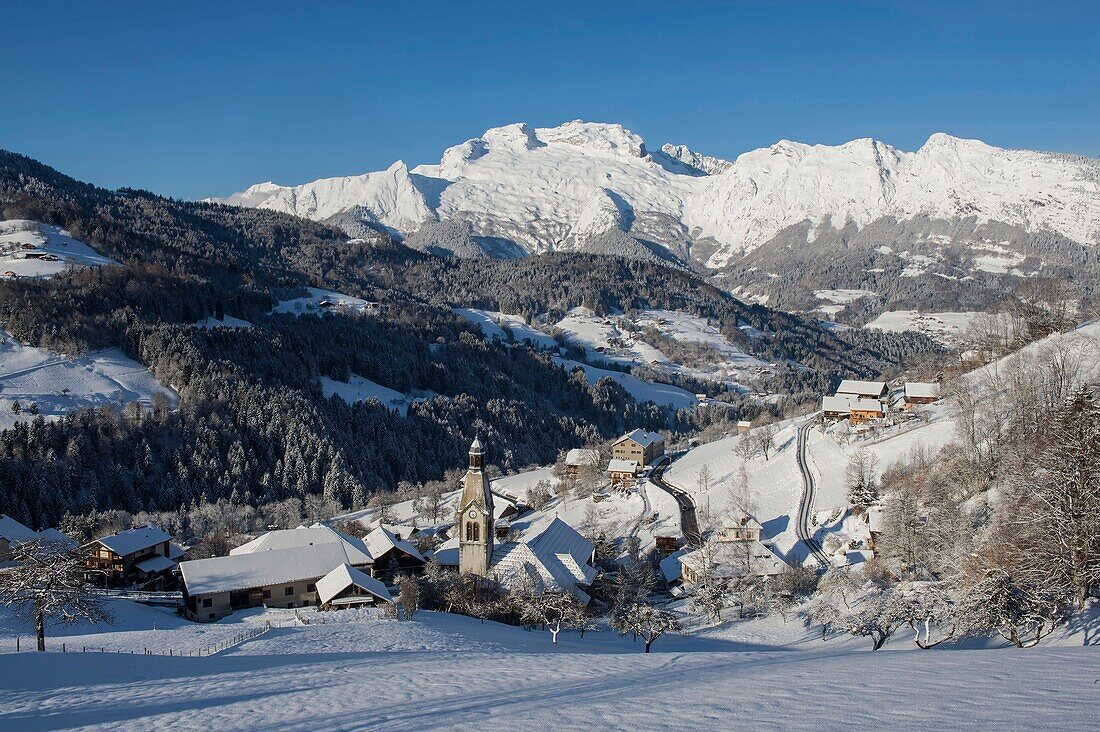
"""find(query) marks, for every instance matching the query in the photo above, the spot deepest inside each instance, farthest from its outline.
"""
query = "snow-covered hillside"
(558, 187)
(57, 384)
(31, 249)
(441, 671)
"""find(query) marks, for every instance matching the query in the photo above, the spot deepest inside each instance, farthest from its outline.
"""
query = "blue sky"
(192, 99)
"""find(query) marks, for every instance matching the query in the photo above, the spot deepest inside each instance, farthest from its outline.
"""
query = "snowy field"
(59, 385)
(312, 303)
(358, 389)
(839, 299)
(493, 324)
(19, 238)
(642, 391)
(226, 322)
(443, 671)
(944, 328)
(616, 339)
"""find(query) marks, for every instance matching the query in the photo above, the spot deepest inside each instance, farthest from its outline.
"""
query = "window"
(311, 588)
(267, 594)
(210, 616)
(288, 591)
(290, 604)
(469, 531)
(477, 532)
(207, 602)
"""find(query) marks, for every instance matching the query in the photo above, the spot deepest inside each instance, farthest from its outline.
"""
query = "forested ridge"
(254, 424)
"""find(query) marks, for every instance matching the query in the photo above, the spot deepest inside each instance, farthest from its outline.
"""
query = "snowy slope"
(18, 238)
(58, 384)
(556, 187)
(443, 671)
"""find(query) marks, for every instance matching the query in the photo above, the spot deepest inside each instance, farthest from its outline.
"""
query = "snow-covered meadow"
(442, 671)
(58, 384)
(31, 249)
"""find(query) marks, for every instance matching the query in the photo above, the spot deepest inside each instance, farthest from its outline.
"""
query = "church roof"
(476, 448)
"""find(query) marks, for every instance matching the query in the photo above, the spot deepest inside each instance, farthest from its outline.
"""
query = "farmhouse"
(579, 458)
(917, 392)
(306, 536)
(729, 560)
(640, 446)
(347, 586)
(392, 555)
(142, 553)
(866, 410)
(12, 534)
(623, 473)
(287, 578)
(836, 407)
(862, 389)
(742, 528)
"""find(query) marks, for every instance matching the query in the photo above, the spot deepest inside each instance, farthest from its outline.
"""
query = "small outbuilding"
(347, 586)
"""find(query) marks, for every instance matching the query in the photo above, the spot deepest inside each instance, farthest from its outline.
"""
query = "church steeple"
(474, 522)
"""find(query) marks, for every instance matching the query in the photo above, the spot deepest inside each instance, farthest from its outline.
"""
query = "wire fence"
(22, 645)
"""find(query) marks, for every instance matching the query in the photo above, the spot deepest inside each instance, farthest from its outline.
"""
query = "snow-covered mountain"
(556, 188)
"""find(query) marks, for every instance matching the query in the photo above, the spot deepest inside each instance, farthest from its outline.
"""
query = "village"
(509, 542)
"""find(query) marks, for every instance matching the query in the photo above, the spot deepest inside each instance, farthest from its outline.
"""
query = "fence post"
(63, 648)
(17, 644)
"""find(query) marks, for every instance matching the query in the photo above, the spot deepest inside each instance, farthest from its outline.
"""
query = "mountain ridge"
(540, 188)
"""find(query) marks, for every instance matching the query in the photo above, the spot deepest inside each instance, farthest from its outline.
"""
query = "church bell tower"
(474, 522)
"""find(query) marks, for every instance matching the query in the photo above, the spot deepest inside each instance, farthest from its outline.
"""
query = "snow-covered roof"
(134, 540)
(15, 532)
(155, 564)
(304, 536)
(643, 438)
(580, 456)
(874, 519)
(56, 537)
(382, 540)
(866, 405)
(861, 388)
(405, 530)
(343, 577)
(726, 558)
(836, 404)
(622, 466)
(175, 551)
(261, 568)
(551, 553)
(745, 522)
(447, 553)
(671, 569)
(922, 390)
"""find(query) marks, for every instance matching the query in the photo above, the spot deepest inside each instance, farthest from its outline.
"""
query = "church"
(545, 552)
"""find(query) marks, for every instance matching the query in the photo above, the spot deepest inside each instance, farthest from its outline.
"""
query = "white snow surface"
(551, 188)
(311, 304)
(493, 323)
(945, 328)
(642, 391)
(60, 384)
(358, 388)
(17, 234)
(441, 671)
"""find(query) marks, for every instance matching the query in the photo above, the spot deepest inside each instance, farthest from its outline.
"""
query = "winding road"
(806, 504)
(689, 525)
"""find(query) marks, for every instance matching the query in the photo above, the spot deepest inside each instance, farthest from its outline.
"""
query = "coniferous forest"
(254, 425)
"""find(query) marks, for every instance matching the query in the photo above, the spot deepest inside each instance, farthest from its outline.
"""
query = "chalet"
(836, 407)
(743, 528)
(623, 473)
(866, 410)
(874, 526)
(283, 578)
(920, 393)
(862, 389)
(667, 540)
(392, 555)
(641, 446)
(143, 553)
(306, 536)
(743, 426)
(347, 586)
(579, 458)
(12, 534)
(27, 246)
(9, 273)
(730, 560)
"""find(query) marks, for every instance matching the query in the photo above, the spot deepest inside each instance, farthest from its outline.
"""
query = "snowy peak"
(548, 188)
(698, 161)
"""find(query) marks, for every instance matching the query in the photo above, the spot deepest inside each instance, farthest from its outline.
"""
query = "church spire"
(474, 521)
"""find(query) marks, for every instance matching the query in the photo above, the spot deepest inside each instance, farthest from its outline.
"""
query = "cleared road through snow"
(805, 505)
(689, 525)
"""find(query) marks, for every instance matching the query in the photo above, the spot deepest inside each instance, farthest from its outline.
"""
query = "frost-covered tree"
(408, 595)
(552, 608)
(47, 583)
(929, 611)
(997, 604)
(710, 595)
(861, 479)
(876, 616)
(645, 620)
